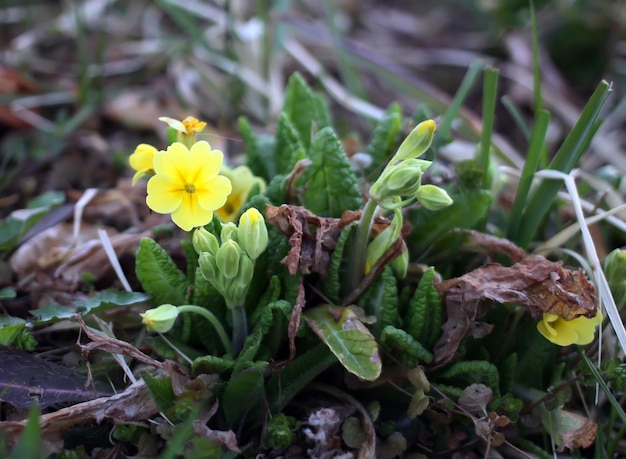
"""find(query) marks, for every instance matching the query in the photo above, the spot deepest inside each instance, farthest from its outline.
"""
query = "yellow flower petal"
(142, 157)
(208, 198)
(190, 215)
(565, 332)
(164, 194)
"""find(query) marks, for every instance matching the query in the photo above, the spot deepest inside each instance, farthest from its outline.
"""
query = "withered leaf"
(577, 431)
(26, 379)
(541, 285)
(134, 404)
(492, 244)
(312, 238)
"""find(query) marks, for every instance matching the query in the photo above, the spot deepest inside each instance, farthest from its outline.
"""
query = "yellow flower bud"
(160, 319)
(432, 197)
(204, 241)
(417, 142)
(252, 233)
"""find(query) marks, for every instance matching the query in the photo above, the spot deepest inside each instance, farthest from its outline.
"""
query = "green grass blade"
(533, 158)
(517, 116)
(565, 160)
(490, 93)
(453, 110)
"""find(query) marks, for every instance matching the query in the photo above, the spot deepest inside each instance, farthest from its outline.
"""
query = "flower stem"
(357, 264)
(208, 315)
(240, 328)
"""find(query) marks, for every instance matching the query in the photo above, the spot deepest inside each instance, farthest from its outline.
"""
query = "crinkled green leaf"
(402, 345)
(425, 313)
(289, 146)
(474, 371)
(304, 108)
(17, 335)
(336, 266)
(507, 373)
(159, 275)
(161, 391)
(244, 392)
(210, 364)
(255, 338)
(191, 257)
(468, 209)
(276, 191)
(286, 384)
(383, 142)
(346, 336)
(259, 151)
(382, 303)
(271, 294)
(330, 186)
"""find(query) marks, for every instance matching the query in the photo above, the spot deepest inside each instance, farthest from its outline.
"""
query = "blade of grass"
(517, 116)
(565, 160)
(533, 158)
(490, 93)
(598, 377)
(453, 109)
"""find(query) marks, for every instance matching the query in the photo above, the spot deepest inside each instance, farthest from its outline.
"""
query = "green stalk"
(357, 261)
(208, 315)
(240, 327)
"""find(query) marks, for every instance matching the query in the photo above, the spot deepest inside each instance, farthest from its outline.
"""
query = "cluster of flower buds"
(229, 266)
(399, 185)
(403, 175)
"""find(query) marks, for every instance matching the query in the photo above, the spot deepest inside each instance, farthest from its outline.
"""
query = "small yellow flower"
(243, 180)
(187, 126)
(141, 160)
(160, 319)
(187, 184)
(580, 330)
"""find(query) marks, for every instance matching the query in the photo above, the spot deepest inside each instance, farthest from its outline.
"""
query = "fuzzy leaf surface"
(159, 275)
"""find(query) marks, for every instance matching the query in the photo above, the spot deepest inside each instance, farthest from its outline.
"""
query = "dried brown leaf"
(541, 285)
(26, 379)
(582, 431)
(294, 320)
(312, 238)
(492, 245)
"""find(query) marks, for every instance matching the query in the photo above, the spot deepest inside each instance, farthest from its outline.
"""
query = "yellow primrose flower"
(141, 160)
(187, 184)
(580, 330)
(243, 180)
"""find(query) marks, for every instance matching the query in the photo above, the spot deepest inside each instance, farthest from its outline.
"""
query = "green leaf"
(29, 445)
(17, 335)
(289, 146)
(244, 392)
(205, 295)
(7, 292)
(383, 302)
(210, 364)
(469, 209)
(159, 275)
(351, 342)
(254, 339)
(271, 294)
(332, 285)
(425, 313)
(384, 139)
(259, 151)
(305, 109)
(474, 371)
(330, 186)
(399, 343)
(101, 301)
(507, 373)
(161, 391)
(21, 221)
(298, 373)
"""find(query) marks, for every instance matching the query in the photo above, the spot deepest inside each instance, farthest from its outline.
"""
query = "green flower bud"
(207, 265)
(246, 271)
(615, 267)
(432, 197)
(160, 319)
(204, 241)
(227, 259)
(229, 231)
(417, 142)
(252, 233)
(402, 179)
(377, 248)
(400, 264)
